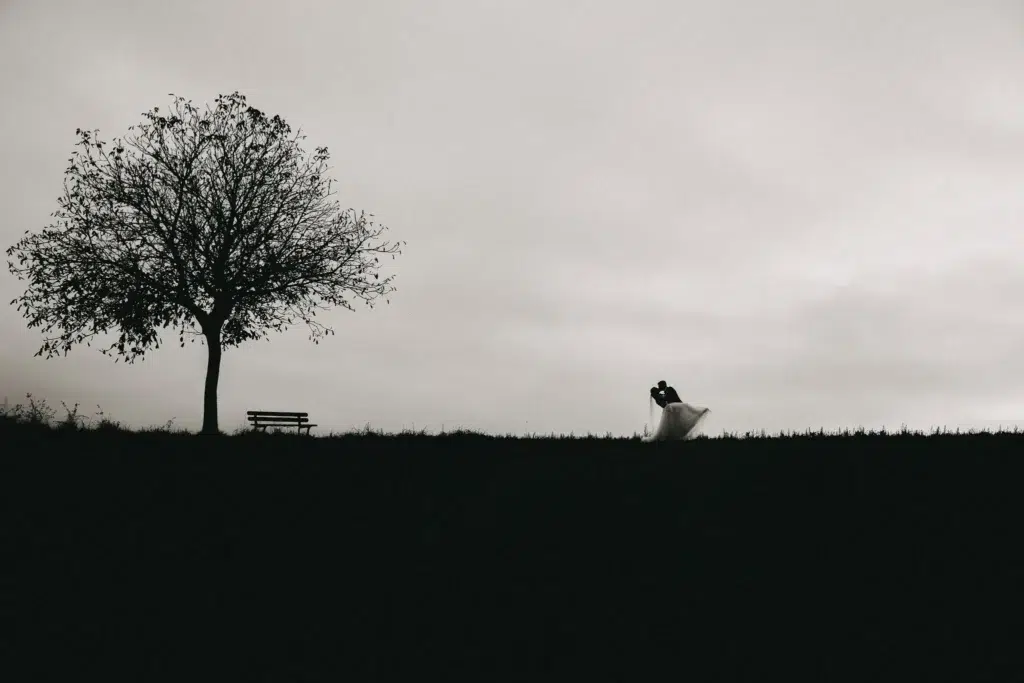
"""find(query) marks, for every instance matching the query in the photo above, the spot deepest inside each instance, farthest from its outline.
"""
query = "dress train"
(678, 422)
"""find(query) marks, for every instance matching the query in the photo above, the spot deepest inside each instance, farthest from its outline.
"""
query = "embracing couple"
(678, 419)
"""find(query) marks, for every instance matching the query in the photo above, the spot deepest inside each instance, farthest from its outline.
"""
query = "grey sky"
(799, 213)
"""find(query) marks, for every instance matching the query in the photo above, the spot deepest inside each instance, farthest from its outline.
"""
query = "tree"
(214, 217)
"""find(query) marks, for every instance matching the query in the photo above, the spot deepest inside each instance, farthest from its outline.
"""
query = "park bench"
(261, 419)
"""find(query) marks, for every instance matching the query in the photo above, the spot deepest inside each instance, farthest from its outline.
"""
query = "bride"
(678, 419)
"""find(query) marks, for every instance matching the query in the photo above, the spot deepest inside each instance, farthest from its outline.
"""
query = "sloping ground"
(160, 557)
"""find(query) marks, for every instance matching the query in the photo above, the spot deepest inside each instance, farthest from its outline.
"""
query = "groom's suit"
(666, 397)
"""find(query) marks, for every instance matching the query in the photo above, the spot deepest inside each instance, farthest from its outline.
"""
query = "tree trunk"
(210, 425)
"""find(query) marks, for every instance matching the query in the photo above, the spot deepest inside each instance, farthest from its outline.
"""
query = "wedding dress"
(678, 421)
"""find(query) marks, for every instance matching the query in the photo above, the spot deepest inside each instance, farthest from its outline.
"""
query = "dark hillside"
(153, 557)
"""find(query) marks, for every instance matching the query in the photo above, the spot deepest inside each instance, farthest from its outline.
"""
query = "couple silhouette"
(663, 394)
(678, 419)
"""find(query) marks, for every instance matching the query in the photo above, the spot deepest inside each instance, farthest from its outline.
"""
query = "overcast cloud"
(800, 214)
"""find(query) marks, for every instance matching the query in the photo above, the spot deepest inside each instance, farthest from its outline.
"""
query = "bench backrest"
(275, 416)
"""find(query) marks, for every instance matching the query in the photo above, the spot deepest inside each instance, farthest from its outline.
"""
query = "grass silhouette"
(157, 554)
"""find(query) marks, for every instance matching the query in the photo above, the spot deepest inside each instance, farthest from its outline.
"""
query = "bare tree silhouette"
(212, 216)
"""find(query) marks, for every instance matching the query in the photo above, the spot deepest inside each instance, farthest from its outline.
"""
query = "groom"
(664, 394)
